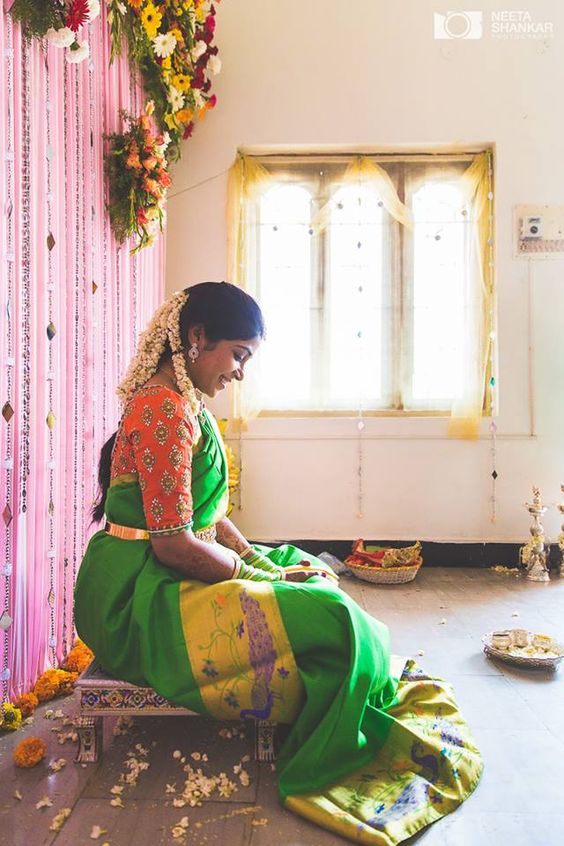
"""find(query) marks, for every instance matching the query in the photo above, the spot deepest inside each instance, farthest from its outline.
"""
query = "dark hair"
(227, 314)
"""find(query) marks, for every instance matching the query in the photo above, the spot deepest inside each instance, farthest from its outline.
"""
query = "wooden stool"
(102, 696)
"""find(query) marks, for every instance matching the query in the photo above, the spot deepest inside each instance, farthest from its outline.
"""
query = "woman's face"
(218, 363)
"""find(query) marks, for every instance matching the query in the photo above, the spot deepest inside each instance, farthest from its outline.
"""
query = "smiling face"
(218, 363)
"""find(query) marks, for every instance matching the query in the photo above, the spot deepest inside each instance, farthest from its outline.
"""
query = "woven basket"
(385, 575)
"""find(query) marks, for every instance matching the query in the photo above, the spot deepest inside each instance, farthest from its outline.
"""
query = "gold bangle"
(236, 569)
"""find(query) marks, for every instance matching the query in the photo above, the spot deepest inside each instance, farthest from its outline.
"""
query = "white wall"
(321, 72)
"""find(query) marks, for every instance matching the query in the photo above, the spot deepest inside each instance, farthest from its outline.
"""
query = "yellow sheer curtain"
(479, 324)
(366, 172)
(247, 179)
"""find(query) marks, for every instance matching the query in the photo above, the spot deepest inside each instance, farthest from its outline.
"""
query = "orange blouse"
(154, 443)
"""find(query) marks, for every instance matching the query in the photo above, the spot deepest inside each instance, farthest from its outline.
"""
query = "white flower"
(60, 37)
(93, 9)
(198, 50)
(164, 45)
(199, 100)
(175, 98)
(121, 8)
(79, 55)
(214, 64)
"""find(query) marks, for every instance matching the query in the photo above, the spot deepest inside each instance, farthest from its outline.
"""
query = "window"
(371, 281)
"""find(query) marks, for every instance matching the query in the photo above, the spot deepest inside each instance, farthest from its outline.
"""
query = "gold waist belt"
(128, 533)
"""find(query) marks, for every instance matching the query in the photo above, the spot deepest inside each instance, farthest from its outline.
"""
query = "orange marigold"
(44, 689)
(79, 657)
(29, 752)
(27, 703)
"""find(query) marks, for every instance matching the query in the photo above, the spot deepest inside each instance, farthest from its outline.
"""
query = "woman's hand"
(303, 575)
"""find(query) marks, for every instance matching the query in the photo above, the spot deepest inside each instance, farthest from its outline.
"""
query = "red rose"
(209, 24)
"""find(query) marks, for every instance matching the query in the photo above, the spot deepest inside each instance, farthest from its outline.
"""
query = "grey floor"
(517, 718)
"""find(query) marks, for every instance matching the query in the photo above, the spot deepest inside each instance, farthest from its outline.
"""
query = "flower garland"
(170, 43)
(51, 683)
(138, 177)
(59, 22)
(164, 327)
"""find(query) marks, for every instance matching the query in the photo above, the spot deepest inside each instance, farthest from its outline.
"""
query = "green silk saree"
(376, 750)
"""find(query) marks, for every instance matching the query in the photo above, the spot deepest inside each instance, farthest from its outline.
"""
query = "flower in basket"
(171, 43)
(138, 176)
(59, 21)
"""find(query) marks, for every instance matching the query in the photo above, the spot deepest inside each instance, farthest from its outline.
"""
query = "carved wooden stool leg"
(264, 740)
(90, 739)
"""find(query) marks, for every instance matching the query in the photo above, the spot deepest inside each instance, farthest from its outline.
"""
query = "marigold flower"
(27, 703)
(10, 717)
(135, 4)
(29, 752)
(44, 689)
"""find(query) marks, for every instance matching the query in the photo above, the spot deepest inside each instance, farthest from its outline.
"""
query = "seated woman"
(171, 595)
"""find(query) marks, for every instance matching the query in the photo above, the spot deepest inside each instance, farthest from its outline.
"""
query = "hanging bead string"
(9, 360)
(105, 294)
(25, 272)
(68, 363)
(133, 98)
(360, 421)
(94, 346)
(51, 466)
(76, 522)
(492, 337)
(84, 368)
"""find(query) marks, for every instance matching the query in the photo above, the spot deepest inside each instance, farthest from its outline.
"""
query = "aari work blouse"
(154, 444)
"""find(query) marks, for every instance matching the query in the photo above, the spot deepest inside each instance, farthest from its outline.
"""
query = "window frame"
(306, 171)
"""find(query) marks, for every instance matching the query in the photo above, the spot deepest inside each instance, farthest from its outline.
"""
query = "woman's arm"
(230, 536)
(194, 558)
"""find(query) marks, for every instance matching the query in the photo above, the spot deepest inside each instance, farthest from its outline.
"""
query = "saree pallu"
(376, 750)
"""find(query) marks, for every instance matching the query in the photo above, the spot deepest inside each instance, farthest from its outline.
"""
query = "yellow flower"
(181, 81)
(200, 14)
(11, 717)
(184, 115)
(166, 63)
(170, 121)
(178, 35)
(151, 19)
(150, 107)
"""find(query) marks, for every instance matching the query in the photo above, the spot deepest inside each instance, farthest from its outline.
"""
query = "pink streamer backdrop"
(45, 99)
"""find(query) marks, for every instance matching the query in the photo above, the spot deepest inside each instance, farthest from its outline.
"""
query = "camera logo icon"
(459, 25)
